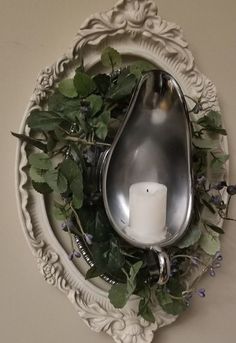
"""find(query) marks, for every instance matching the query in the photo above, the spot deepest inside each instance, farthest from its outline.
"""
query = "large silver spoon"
(153, 144)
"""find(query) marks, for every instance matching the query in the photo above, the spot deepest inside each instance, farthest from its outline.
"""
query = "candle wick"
(147, 190)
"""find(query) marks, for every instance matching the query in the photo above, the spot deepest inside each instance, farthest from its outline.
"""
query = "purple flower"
(64, 226)
(201, 292)
(201, 179)
(231, 190)
(77, 254)
(187, 302)
(71, 255)
(212, 273)
(220, 185)
(88, 237)
(68, 224)
(216, 199)
(74, 254)
(218, 256)
(195, 261)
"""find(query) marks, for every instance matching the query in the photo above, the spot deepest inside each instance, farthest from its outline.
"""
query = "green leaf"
(123, 88)
(214, 227)
(95, 102)
(82, 121)
(35, 142)
(210, 243)
(115, 258)
(56, 180)
(118, 295)
(67, 88)
(37, 175)
(41, 187)
(43, 120)
(65, 107)
(102, 82)
(208, 205)
(140, 67)
(60, 211)
(102, 226)
(212, 123)
(77, 202)
(190, 238)
(84, 84)
(101, 124)
(111, 58)
(51, 143)
(92, 273)
(218, 161)
(175, 286)
(212, 119)
(40, 160)
(169, 305)
(99, 252)
(73, 175)
(131, 280)
(103, 118)
(203, 143)
(76, 186)
(135, 269)
(101, 131)
(217, 130)
(145, 311)
(70, 169)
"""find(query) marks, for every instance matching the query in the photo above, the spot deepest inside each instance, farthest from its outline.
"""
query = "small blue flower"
(201, 180)
(218, 256)
(187, 302)
(64, 226)
(74, 254)
(212, 273)
(216, 199)
(71, 255)
(220, 185)
(231, 190)
(77, 254)
(68, 224)
(89, 238)
(195, 261)
(201, 292)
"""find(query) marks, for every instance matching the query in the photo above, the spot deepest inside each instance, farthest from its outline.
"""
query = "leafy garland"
(78, 123)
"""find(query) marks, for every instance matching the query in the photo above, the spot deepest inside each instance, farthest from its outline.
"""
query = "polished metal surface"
(88, 258)
(153, 144)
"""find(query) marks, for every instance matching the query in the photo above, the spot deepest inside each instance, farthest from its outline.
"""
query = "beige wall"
(33, 33)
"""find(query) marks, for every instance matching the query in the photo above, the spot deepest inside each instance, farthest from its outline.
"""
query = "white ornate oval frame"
(134, 28)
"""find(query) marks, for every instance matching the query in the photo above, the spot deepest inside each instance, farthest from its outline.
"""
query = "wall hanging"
(122, 173)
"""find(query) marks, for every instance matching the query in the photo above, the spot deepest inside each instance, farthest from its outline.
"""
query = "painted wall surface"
(33, 33)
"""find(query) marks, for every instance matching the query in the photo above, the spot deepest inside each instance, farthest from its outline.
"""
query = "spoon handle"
(164, 265)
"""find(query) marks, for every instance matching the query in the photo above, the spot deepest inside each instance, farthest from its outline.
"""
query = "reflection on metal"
(153, 144)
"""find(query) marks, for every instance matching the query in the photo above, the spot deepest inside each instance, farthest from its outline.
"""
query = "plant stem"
(85, 142)
(80, 227)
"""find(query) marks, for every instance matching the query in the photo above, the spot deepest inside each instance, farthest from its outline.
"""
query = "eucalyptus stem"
(80, 227)
(85, 142)
(192, 258)
(58, 151)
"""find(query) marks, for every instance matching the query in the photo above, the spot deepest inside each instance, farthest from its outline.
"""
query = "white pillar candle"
(147, 203)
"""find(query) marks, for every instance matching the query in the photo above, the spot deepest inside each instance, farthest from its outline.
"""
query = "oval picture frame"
(135, 29)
